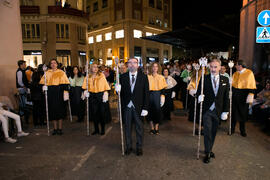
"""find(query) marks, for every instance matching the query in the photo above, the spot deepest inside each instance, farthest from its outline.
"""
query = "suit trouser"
(210, 122)
(130, 116)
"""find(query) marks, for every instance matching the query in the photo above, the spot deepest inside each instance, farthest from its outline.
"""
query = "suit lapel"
(137, 81)
(220, 85)
(211, 84)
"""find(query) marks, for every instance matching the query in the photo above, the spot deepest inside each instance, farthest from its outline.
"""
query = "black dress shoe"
(95, 133)
(152, 131)
(243, 134)
(102, 133)
(128, 151)
(59, 132)
(212, 155)
(54, 132)
(207, 158)
(139, 152)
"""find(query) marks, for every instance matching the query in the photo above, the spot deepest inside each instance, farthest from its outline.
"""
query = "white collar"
(130, 74)
(216, 76)
(243, 70)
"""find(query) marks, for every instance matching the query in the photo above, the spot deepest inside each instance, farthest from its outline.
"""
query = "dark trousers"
(210, 122)
(239, 109)
(130, 117)
(38, 112)
(97, 111)
(155, 114)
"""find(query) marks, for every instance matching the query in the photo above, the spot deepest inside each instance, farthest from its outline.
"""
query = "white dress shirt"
(215, 89)
(132, 85)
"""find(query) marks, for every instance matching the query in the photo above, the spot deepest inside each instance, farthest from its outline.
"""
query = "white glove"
(192, 92)
(201, 98)
(162, 100)
(44, 88)
(250, 98)
(188, 78)
(173, 95)
(66, 96)
(85, 94)
(28, 91)
(105, 97)
(117, 88)
(224, 116)
(144, 112)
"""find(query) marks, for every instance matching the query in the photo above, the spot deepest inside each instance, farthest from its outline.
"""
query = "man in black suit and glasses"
(134, 89)
(215, 105)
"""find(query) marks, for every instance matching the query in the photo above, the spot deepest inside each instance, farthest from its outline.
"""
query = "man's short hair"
(242, 63)
(215, 60)
(134, 58)
(21, 62)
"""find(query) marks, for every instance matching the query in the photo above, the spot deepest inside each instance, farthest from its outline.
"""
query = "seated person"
(4, 115)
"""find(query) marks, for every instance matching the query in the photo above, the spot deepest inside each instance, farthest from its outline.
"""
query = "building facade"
(116, 27)
(257, 56)
(54, 29)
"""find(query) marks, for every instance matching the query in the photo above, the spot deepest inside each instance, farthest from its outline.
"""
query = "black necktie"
(133, 78)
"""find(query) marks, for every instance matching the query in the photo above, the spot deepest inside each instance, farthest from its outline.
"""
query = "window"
(108, 36)
(137, 33)
(148, 34)
(95, 5)
(151, 21)
(62, 31)
(137, 14)
(159, 4)
(121, 52)
(30, 31)
(81, 32)
(109, 52)
(152, 3)
(119, 15)
(119, 34)
(91, 40)
(104, 3)
(99, 38)
(88, 9)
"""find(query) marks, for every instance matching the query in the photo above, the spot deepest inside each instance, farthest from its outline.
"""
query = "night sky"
(194, 12)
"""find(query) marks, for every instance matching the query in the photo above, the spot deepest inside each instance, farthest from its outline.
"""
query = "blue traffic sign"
(263, 35)
(264, 18)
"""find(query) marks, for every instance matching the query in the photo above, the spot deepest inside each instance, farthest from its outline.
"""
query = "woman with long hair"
(169, 93)
(98, 88)
(77, 105)
(157, 84)
(57, 85)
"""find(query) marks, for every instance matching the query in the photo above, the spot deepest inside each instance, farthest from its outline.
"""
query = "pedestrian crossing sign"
(263, 35)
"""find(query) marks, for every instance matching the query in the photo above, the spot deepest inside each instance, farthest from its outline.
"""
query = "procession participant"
(169, 94)
(98, 88)
(215, 105)
(157, 84)
(244, 86)
(134, 90)
(77, 105)
(57, 86)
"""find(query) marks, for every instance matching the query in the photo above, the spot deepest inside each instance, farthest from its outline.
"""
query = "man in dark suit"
(134, 88)
(215, 105)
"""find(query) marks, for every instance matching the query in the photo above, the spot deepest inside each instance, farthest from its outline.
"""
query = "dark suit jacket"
(140, 95)
(222, 98)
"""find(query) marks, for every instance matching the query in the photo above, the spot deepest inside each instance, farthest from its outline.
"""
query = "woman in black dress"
(58, 86)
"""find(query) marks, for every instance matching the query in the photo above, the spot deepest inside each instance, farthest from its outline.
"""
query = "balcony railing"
(29, 9)
(68, 11)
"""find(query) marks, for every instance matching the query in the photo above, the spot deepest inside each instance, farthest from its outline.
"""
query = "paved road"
(170, 155)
